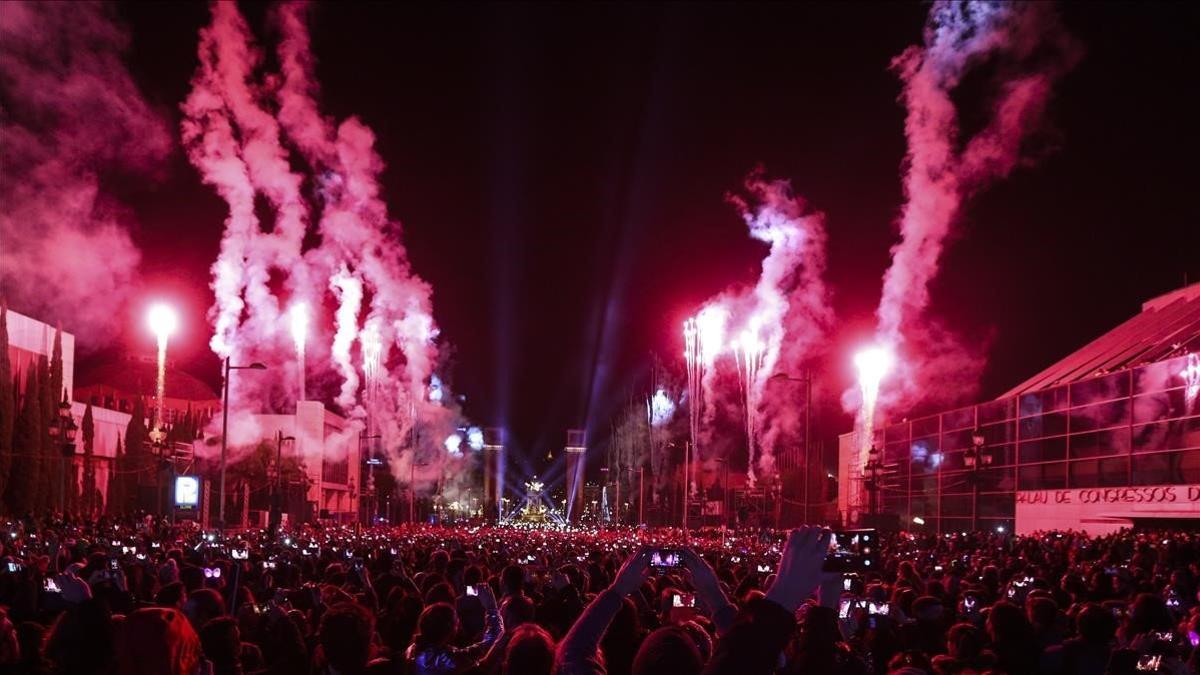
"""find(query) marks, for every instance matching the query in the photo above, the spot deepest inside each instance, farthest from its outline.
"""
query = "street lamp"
(370, 462)
(975, 457)
(225, 435)
(873, 467)
(276, 515)
(807, 382)
(64, 428)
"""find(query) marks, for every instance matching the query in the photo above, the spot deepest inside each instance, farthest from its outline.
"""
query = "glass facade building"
(1134, 427)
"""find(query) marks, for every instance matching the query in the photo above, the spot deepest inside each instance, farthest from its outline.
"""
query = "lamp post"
(807, 382)
(872, 467)
(158, 451)
(276, 516)
(64, 428)
(370, 462)
(225, 436)
(975, 457)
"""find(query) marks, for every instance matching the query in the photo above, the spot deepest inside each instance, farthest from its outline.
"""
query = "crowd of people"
(134, 597)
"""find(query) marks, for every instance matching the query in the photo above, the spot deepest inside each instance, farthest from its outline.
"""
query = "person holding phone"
(432, 653)
(761, 629)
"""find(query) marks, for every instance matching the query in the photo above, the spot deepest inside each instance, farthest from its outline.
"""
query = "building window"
(1104, 388)
(1040, 426)
(1112, 472)
(1099, 444)
(1167, 468)
(1043, 476)
(1169, 435)
(1100, 416)
(1044, 450)
(1040, 402)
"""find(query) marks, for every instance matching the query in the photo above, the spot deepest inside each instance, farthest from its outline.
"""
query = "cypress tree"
(55, 462)
(87, 431)
(46, 475)
(8, 406)
(116, 483)
(27, 447)
(136, 436)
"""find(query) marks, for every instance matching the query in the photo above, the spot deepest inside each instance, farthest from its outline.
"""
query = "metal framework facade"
(1138, 426)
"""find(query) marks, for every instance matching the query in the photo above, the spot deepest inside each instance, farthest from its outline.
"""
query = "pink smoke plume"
(70, 110)
(252, 134)
(358, 234)
(777, 326)
(791, 313)
(1028, 52)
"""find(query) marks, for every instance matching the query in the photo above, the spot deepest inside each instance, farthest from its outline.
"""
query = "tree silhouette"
(88, 488)
(27, 448)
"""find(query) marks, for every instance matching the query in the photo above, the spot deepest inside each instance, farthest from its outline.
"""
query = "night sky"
(560, 171)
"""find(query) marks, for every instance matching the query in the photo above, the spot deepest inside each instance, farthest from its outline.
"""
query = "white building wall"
(34, 336)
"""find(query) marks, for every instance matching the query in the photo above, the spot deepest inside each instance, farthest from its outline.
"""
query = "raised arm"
(761, 630)
(577, 651)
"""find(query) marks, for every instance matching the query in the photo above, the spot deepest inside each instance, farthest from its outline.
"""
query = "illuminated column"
(576, 460)
(493, 470)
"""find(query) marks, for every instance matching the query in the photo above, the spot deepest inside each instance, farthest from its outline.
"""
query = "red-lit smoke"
(1026, 52)
(70, 110)
(259, 138)
(786, 315)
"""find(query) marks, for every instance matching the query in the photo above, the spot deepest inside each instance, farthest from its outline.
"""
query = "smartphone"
(241, 554)
(970, 604)
(847, 583)
(665, 559)
(877, 608)
(14, 567)
(1149, 664)
(764, 568)
(472, 591)
(683, 600)
(268, 564)
(852, 551)
(846, 606)
(114, 565)
(49, 586)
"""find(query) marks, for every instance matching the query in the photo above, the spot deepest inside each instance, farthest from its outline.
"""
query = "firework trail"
(162, 322)
(748, 354)
(703, 336)
(253, 133)
(784, 318)
(298, 316)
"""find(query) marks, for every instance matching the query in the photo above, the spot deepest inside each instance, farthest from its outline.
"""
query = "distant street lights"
(225, 435)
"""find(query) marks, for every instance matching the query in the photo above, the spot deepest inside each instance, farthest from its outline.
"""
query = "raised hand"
(799, 572)
(708, 587)
(486, 598)
(632, 573)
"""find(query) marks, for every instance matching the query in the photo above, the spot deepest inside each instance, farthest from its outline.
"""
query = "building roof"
(1167, 326)
(137, 377)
